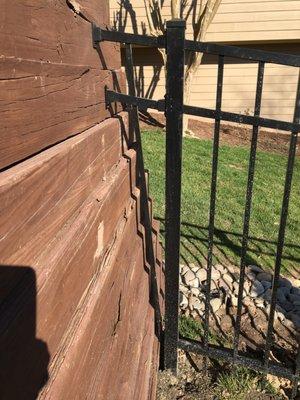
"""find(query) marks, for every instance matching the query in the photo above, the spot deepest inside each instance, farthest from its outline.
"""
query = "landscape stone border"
(224, 290)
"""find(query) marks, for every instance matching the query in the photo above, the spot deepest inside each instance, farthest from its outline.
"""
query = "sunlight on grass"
(239, 382)
(190, 328)
(193, 329)
(231, 382)
(231, 188)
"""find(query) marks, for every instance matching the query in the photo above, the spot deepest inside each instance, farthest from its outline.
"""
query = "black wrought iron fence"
(175, 44)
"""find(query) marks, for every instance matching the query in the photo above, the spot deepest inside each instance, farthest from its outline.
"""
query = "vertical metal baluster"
(297, 371)
(213, 190)
(174, 115)
(282, 226)
(247, 212)
(297, 362)
(133, 110)
(129, 69)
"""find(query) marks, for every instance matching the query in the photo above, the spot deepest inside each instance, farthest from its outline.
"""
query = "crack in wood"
(76, 8)
(118, 315)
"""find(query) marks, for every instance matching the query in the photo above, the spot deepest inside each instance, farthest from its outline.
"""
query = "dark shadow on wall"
(24, 359)
(126, 16)
(120, 17)
(131, 139)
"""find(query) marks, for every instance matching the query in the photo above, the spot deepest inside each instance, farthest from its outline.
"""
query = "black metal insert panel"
(175, 44)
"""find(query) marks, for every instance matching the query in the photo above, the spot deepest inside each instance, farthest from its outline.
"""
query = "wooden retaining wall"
(76, 314)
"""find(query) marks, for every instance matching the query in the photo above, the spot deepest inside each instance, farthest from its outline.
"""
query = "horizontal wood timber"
(66, 268)
(37, 201)
(123, 323)
(42, 104)
(56, 33)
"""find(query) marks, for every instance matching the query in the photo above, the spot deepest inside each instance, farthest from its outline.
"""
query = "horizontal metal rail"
(219, 353)
(100, 35)
(242, 119)
(140, 102)
(243, 53)
(144, 104)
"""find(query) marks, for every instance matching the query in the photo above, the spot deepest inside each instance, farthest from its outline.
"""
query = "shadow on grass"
(228, 245)
(227, 250)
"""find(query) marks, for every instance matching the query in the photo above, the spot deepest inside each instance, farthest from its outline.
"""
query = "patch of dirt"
(253, 327)
(253, 330)
(233, 135)
(189, 384)
(254, 316)
(193, 382)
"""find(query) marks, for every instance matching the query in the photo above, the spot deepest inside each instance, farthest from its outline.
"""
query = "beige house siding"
(268, 25)
(239, 85)
(236, 20)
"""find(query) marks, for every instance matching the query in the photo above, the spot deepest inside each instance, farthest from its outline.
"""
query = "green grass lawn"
(231, 187)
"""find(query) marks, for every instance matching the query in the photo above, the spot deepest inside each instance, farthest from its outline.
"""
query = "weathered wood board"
(91, 257)
(51, 78)
(43, 104)
(36, 200)
(55, 33)
(122, 329)
(76, 317)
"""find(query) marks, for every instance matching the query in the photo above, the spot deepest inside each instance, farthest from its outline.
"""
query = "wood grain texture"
(38, 196)
(54, 32)
(121, 311)
(42, 104)
(75, 257)
(93, 308)
(75, 307)
(65, 269)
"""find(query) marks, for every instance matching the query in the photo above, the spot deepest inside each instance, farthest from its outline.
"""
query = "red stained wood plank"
(93, 305)
(42, 104)
(148, 362)
(66, 268)
(76, 257)
(75, 290)
(54, 32)
(121, 311)
(36, 200)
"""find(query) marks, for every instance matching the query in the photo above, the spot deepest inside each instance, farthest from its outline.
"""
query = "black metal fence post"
(174, 115)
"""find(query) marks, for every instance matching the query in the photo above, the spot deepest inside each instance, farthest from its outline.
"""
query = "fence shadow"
(131, 139)
(194, 241)
(24, 358)
(123, 17)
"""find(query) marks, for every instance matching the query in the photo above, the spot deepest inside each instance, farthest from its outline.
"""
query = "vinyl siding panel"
(272, 25)
(236, 21)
